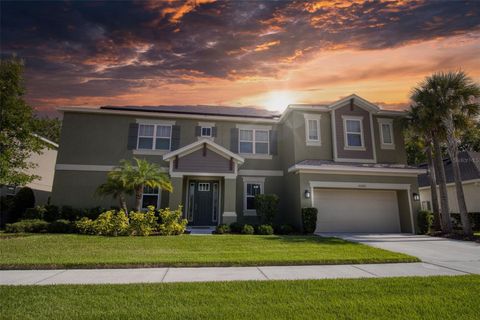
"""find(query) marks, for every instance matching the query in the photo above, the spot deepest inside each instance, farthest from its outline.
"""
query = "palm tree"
(455, 97)
(142, 174)
(429, 123)
(419, 128)
(117, 189)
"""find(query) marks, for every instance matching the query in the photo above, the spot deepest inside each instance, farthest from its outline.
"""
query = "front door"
(203, 202)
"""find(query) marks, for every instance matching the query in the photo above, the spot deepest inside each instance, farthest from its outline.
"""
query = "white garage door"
(346, 210)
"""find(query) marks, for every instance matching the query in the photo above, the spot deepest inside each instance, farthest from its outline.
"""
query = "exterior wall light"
(416, 197)
(307, 194)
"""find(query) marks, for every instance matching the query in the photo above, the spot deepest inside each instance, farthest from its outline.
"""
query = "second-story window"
(353, 132)
(254, 141)
(154, 137)
(312, 129)
(206, 131)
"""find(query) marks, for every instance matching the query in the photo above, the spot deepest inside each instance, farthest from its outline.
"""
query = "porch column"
(229, 203)
(176, 197)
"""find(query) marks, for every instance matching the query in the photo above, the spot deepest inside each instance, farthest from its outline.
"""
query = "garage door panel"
(353, 210)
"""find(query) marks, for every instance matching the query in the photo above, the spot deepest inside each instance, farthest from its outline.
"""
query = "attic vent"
(351, 104)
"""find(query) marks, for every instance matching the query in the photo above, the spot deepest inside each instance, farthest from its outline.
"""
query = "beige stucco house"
(346, 158)
(469, 163)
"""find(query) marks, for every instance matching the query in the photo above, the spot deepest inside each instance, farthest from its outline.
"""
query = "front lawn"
(70, 251)
(388, 298)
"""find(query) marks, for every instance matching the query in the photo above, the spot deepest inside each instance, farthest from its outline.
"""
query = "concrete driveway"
(456, 255)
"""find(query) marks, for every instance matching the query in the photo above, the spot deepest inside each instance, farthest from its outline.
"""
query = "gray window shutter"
(273, 142)
(175, 137)
(214, 131)
(132, 136)
(234, 140)
(198, 131)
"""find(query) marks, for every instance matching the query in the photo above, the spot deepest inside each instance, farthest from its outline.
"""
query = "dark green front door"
(203, 206)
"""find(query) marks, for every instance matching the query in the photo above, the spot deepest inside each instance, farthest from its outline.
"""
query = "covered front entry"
(203, 202)
(354, 210)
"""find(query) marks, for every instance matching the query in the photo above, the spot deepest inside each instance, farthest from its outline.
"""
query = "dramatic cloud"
(239, 52)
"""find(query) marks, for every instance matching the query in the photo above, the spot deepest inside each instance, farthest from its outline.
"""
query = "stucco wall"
(472, 196)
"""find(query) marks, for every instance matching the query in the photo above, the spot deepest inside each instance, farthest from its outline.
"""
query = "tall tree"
(142, 174)
(430, 126)
(455, 97)
(16, 126)
(419, 130)
(48, 128)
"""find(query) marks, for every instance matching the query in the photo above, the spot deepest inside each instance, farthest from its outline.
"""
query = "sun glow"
(278, 100)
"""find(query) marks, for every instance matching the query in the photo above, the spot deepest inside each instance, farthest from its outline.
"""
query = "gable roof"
(198, 145)
(469, 163)
(247, 112)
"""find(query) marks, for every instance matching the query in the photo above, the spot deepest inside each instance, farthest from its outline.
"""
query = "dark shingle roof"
(469, 163)
(248, 112)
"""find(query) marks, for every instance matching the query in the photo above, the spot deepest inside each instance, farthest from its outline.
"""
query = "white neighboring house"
(45, 169)
(470, 173)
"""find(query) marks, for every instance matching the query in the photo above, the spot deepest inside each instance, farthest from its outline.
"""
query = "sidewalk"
(159, 275)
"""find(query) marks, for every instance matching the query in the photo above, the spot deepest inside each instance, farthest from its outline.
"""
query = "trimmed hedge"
(474, 220)
(265, 229)
(248, 229)
(222, 229)
(284, 229)
(61, 226)
(309, 219)
(267, 207)
(32, 225)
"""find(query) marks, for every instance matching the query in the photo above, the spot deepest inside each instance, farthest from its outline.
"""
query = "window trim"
(346, 146)
(251, 180)
(253, 141)
(154, 137)
(383, 144)
(158, 194)
(316, 118)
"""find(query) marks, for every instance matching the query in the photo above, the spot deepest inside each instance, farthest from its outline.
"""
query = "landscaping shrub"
(284, 229)
(35, 213)
(111, 223)
(143, 224)
(85, 226)
(248, 229)
(309, 219)
(61, 226)
(70, 213)
(171, 222)
(474, 220)
(51, 213)
(221, 229)
(23, 200)
(236, 227)
(265, 229)
(267, 207)
(425, 221)
(93, 213)
(33, 225)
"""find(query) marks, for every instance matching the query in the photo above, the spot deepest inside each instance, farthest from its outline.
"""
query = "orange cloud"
(266, 45)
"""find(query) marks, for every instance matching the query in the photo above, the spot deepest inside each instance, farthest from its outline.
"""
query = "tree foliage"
(17, 125)
(48, 128)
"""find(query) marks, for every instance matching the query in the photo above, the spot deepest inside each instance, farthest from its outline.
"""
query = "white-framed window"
(312, 129)
(353, 133)
(254, 141)
(426, 205)
(206, 131)
(154, 137)
(150, 197)
(385, 127)
(252, 187)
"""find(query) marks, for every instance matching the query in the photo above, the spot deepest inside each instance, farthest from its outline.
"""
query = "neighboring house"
(45, 169)
(469, 163)
(347, 159)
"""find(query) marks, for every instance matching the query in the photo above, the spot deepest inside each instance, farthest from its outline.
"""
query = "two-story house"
(347, 159)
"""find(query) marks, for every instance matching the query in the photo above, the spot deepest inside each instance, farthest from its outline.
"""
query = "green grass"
(388, 298)
(69, 251)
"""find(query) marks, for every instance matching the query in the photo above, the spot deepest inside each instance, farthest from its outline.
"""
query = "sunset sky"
(242, 53)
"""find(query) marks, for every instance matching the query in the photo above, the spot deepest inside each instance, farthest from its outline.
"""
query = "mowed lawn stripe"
(70, 251)
(392, 298)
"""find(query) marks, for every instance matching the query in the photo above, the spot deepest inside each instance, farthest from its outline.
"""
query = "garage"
(354, 210)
